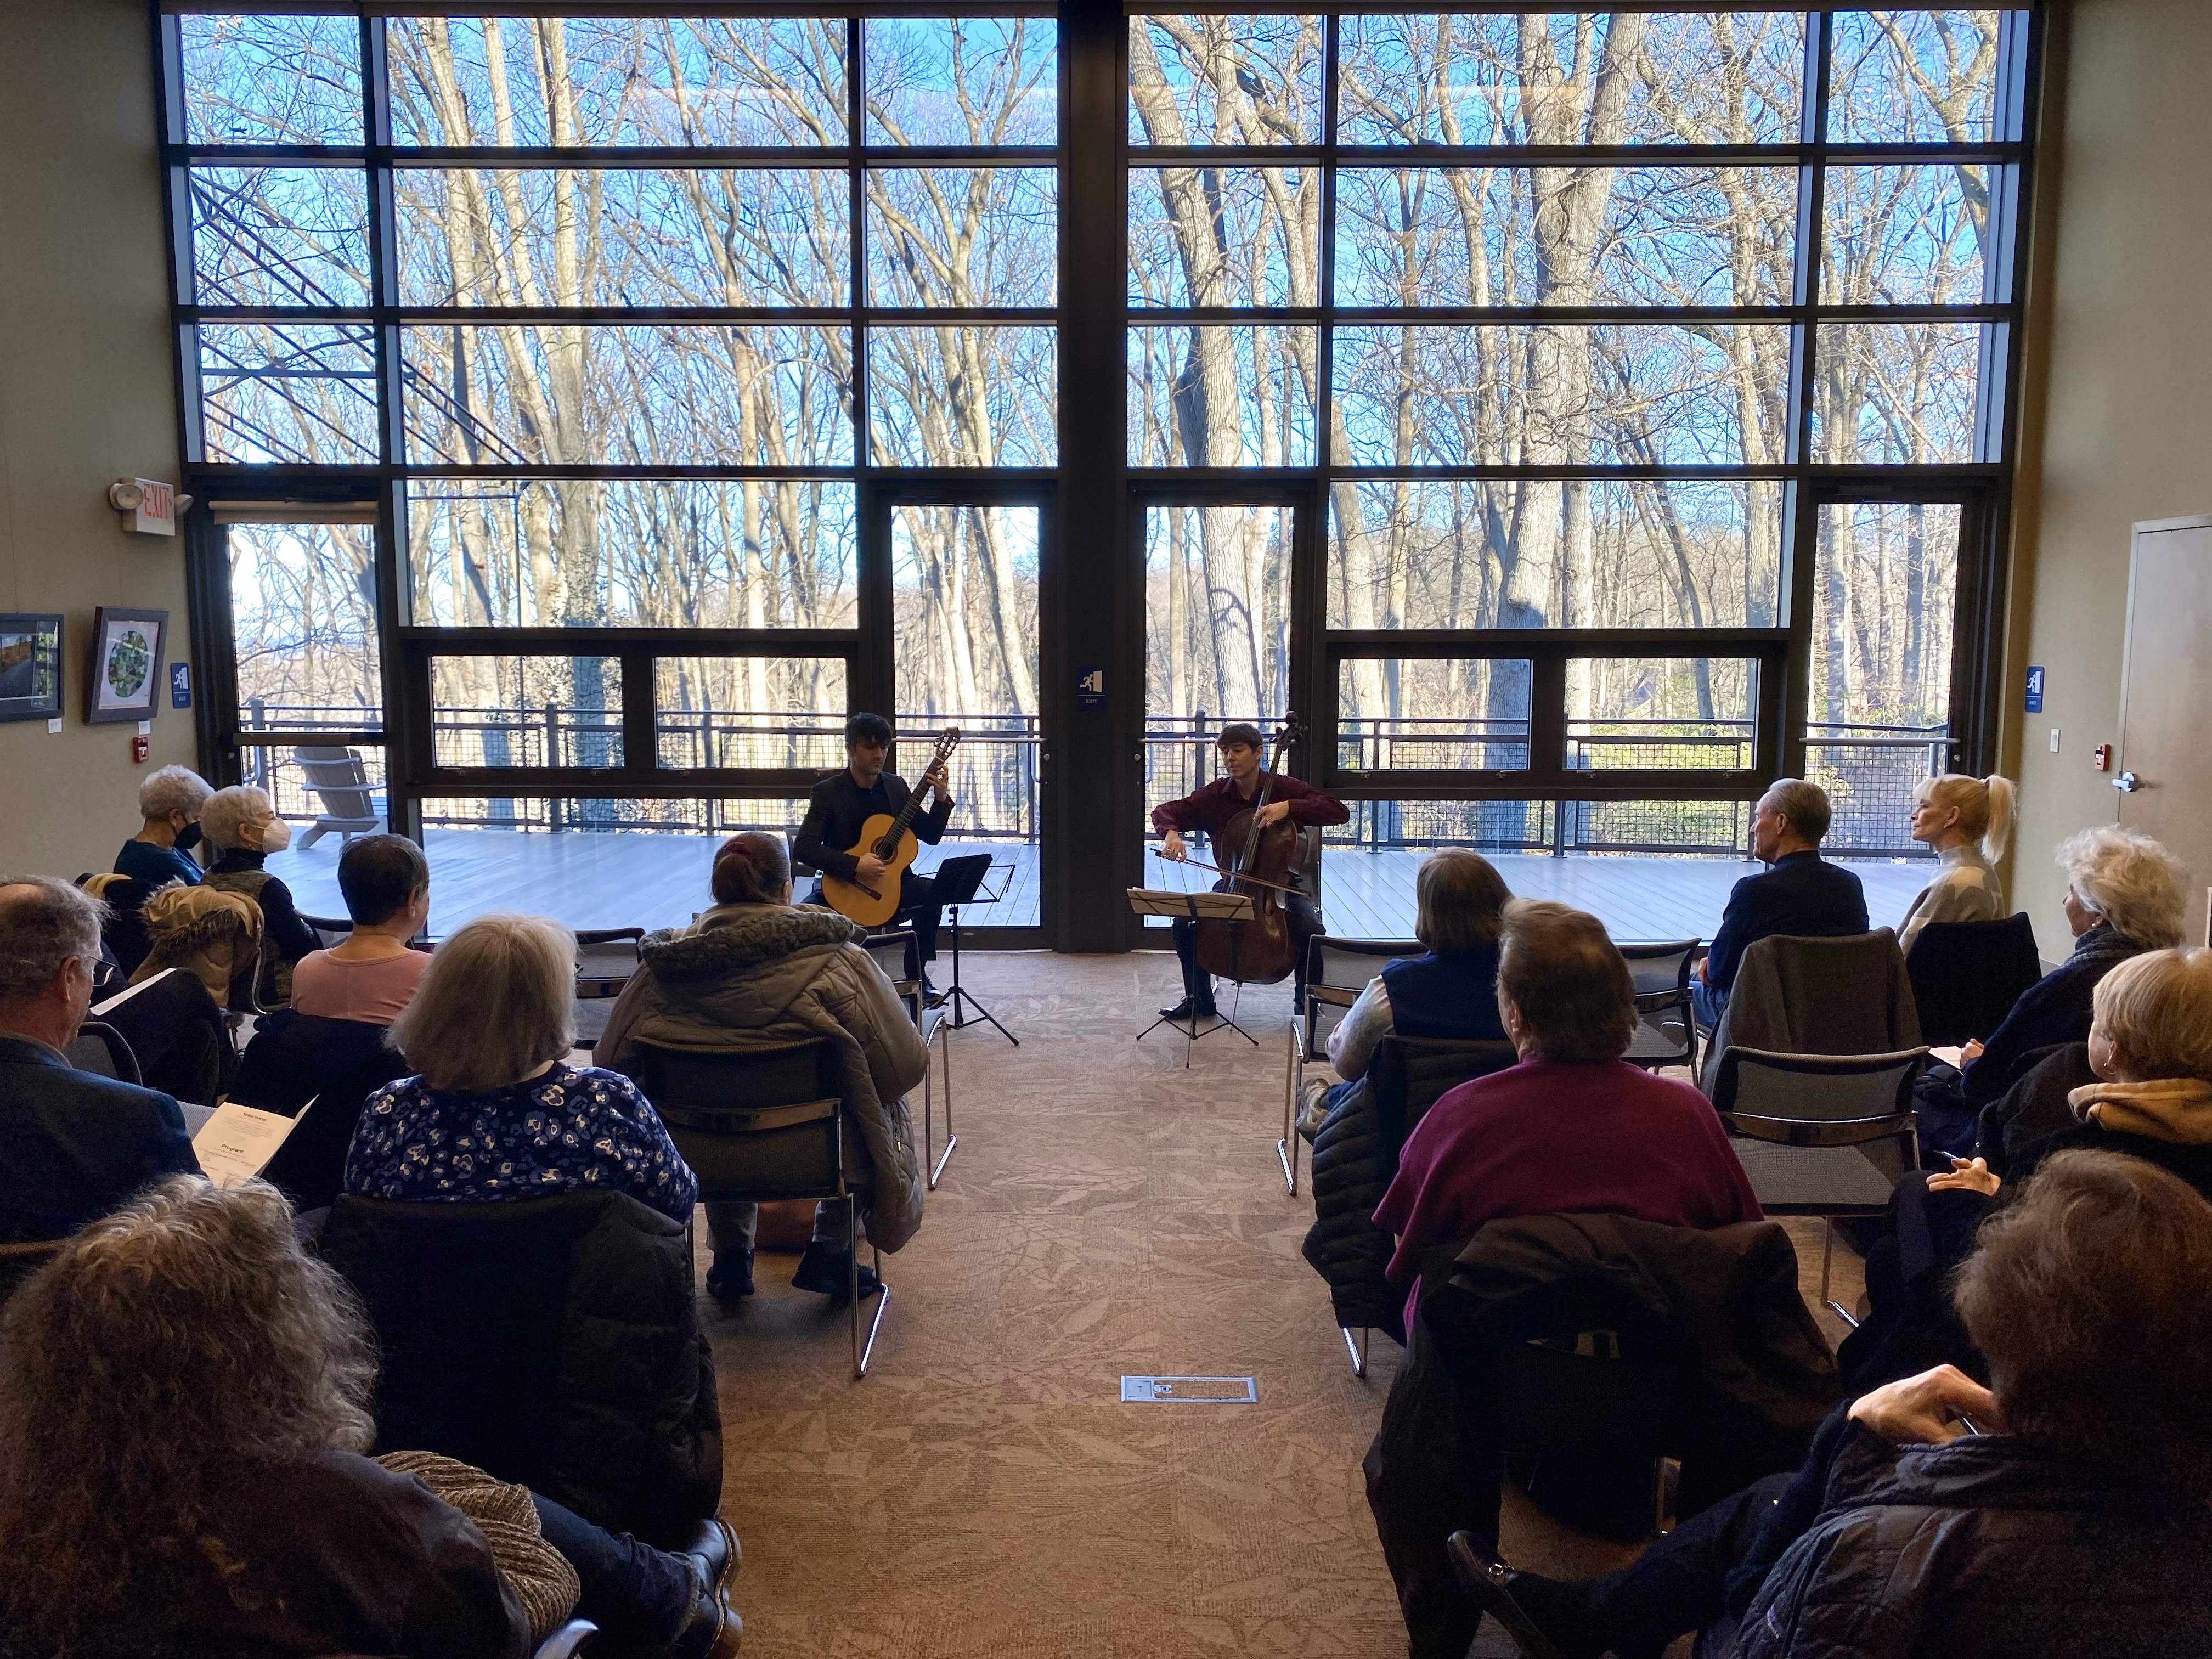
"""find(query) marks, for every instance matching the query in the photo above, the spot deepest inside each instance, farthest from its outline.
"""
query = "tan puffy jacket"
(213, 935)
(758, 975)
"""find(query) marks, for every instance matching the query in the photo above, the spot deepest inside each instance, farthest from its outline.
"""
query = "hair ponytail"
(752, 867)
(1997, 832)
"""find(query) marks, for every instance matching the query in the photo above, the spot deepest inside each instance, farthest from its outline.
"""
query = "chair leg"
(1286, 1149)
(1358, 1350)
(867, 1350)
(951, 1139)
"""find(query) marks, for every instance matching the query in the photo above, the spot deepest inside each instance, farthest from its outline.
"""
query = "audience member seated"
(241, 824)
(371, 974)
(1460, 901)
(1459, 904)
(1966, 821)
(2073, 1494)
(73, 1145)
(1801, 894)
(2149, 1095)
(2124, 897)
(184, 1405)
(1573, 1126)
(756, 972)
(496, 1113)
(170, 801)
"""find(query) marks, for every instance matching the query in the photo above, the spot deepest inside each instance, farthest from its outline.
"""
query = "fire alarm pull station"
(2101, 757)
(142, 750)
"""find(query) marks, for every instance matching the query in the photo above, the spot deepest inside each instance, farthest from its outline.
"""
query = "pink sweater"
(331, 988)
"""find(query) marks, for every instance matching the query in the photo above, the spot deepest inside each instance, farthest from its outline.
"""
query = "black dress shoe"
(1190, 1009)
(731, 1277)
(713, 1630)
(1489, 1583)
(931, 996)
(826, 1272)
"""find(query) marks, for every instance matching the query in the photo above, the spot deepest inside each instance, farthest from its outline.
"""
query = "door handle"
(2127, 783)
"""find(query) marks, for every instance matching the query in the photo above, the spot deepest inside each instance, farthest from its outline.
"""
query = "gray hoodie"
(755, 975)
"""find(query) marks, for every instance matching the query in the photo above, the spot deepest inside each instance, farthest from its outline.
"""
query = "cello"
(1260, 862)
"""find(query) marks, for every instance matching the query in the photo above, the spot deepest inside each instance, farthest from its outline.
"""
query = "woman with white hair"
(170, 801)
(1966, 821)
(240, 822)
(497, 1114)
(2124, 897)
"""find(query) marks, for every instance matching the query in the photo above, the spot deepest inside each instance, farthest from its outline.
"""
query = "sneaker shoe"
(730, 1277)
(713, 1629)
(824, 1272)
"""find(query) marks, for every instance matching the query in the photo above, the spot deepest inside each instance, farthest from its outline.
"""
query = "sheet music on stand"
(1207, 906)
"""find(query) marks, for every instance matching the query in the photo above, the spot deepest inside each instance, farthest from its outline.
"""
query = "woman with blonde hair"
(1966, 822)
(496, 1113)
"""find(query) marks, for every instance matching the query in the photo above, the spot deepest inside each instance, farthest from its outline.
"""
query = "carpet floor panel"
(984, 1493)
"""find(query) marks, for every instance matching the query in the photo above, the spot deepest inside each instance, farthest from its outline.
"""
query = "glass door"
(1217, 576)
(1891, 693)
(963, 623)
(300, 698)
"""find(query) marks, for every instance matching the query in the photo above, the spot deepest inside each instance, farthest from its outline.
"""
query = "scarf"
(2175, 1109)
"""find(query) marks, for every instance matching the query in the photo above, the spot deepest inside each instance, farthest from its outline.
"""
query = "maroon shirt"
(1212, 807)
(1543, 1138)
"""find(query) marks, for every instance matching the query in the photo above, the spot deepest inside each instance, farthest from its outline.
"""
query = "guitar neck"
(904, 821)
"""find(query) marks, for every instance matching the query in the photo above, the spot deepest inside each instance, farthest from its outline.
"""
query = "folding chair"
(1824, 1135)
(1967, 974)
(762, 1125)
(1337, 971)
(99, 1049)
(329, 929)
(898, 953)
(1666, 1032)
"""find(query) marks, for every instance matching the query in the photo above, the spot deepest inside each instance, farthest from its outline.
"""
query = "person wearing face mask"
(241, 824)
(170, 801)
(73, 1144)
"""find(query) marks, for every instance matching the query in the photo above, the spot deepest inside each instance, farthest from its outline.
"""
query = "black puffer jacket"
(1984, 1548)
(1353, 1164)
(1355, 1158)
(553, 1343)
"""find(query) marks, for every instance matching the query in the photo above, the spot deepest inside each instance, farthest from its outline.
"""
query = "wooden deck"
(623, 880)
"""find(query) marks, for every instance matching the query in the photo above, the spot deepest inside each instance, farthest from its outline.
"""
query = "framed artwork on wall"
(30, 666)
(123, 681)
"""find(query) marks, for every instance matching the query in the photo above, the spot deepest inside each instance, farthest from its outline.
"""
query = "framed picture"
(30, 667)
(125, 682)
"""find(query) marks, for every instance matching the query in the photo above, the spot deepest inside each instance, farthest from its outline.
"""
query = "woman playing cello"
(1211, 810)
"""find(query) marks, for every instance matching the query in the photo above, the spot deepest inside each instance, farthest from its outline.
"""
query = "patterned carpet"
(984, 1494)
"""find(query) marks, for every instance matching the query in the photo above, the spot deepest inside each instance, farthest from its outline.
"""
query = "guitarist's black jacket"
(838, 806)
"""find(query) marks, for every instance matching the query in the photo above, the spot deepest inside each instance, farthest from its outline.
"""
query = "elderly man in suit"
(73, 1144)
(1800, 893)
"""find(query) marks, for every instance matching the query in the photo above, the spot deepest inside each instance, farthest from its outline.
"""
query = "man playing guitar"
(842, 803)
(1242, 749)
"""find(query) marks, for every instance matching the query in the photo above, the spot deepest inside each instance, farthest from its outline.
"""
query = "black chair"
(339, 776)
(1967, 974)
(1405, 1077)
(1337, 971)
(1824, 1135)
(763, 1124)
(99, 1049)
(553, 1343)
(296, 1060)
(176, 1033)
(329, 929)
(1666, 1030)
(606, 960)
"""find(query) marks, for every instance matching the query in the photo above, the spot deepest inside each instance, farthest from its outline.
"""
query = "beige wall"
(87, 379)
(2120, 391)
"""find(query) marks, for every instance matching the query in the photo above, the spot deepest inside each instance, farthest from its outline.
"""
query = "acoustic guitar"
(892, 840)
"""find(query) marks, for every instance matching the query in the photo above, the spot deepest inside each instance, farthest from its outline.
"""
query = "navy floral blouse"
(563, 1131)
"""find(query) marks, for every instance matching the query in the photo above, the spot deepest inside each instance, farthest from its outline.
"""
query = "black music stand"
(1196, 907)
(960, 881)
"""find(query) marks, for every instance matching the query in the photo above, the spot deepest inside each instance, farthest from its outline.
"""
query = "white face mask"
(275, 835)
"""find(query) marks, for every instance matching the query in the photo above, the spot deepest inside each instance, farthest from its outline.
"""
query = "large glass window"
(1546, 407)
(1599, 396)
